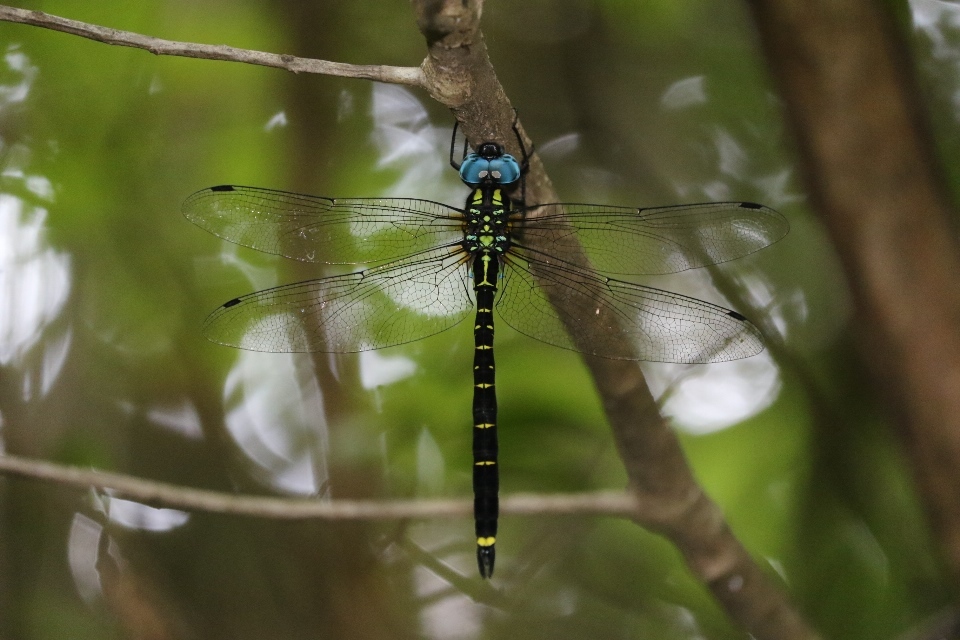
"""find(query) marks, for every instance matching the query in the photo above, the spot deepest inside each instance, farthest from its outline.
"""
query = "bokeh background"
(104, 285)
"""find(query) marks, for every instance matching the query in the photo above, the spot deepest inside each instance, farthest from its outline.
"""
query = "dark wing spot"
(222, 187)
(236, 301)
(750, 205)
(732, 314)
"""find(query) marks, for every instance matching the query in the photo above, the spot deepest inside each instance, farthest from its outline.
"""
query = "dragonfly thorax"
(486, 228)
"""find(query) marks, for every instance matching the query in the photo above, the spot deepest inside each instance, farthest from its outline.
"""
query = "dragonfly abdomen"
(486, 478)
(486, 239)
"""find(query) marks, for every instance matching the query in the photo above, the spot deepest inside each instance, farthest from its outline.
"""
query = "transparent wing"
(317, 229)
(584, 311)
(389, 304)
(655, 240)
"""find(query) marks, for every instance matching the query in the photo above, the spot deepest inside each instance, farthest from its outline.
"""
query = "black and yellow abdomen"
(486, 239)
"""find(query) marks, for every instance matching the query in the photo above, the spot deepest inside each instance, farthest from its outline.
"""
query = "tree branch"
(459, 74)
(161, 494)
(410, 76)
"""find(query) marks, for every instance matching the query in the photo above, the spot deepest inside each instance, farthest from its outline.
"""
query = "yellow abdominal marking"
(485, 463)
(483, 385)
(486, 270)
(484, 425)
(486, 542)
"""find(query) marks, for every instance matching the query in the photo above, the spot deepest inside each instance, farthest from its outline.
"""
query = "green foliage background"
(813, 484)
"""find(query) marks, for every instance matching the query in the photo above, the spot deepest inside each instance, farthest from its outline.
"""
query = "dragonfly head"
(490, 150)
(489, 165)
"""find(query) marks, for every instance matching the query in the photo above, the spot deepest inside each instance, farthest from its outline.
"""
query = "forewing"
(584, 311)
(317, 229)
(655, 240)
(390, 304)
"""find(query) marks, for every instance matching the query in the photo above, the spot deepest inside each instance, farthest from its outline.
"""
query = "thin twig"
(411, 76)
(609, 503)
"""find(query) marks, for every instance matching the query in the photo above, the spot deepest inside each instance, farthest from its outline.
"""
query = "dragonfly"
(427, 266)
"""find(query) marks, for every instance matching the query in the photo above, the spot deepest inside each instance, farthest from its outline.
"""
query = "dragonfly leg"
(524, 159)
(453, 145)
(524, 154)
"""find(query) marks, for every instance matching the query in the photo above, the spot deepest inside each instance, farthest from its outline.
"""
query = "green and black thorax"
(487, 232)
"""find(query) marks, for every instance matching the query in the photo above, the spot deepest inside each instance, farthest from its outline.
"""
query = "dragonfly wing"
(389, 304)
(584, 311)
(317, 229)
(654, 240)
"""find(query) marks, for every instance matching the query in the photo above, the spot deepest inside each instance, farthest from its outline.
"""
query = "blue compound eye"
(474, 169)
(501, 169)
(505, 169)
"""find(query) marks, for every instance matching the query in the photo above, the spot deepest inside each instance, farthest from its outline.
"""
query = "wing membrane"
(389, 304)
(653, 241)
(584, 311)
(317, 229)
(428, 291)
